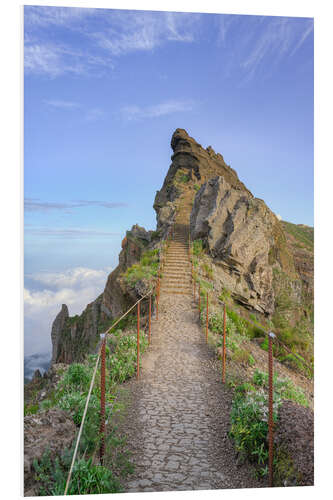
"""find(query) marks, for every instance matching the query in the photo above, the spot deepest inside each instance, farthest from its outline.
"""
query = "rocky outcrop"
(242, 235)
(199, 165)
(57, 328)
(51, 430)
(74, 337)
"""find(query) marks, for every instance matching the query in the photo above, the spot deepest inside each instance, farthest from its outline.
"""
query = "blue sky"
(103, 92)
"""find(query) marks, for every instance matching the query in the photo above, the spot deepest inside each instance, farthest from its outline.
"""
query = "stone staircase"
(176, 275)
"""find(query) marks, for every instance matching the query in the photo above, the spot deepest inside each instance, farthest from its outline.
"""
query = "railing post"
(224, 345)
(157, 296)
(199, 302)
(102, 412)
(194, 288)
(149, 327)
(271, 336)
(138, 343)
(207, 319)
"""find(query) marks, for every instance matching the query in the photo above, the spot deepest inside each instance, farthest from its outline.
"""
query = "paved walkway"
(178, 420)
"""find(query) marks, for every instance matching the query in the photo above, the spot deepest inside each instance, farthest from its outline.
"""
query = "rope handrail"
(107, 332)
(82, 423)
(125, 314)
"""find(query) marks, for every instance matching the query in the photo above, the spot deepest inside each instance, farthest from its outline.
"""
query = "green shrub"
(30, 409)
(249, 425)
(284, 388)
(146, 269)
(208, 270)
(251, 360)
(264, 344)
(198, 249)
(241, 356)
(86, 479)
(224, 295)
(196, 187)
(181, 177)
(77, 377)
(46, 404)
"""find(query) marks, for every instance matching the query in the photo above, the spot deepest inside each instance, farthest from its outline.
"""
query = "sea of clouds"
(44, 293)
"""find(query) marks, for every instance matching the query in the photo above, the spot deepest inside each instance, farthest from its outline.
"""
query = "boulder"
(50, 430)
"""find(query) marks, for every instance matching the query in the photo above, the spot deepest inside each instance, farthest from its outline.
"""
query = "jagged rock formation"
(198, 164)
(57, 328)
(243, 236)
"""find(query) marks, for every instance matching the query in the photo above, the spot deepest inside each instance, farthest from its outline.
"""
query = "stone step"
(175, 268)
(174, 288)
(183, 276)
(175, 260)
(177, 292)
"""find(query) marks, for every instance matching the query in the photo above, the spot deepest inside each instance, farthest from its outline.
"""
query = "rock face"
(242, 235)
(57, 327)
(74, 337)
(51, 430)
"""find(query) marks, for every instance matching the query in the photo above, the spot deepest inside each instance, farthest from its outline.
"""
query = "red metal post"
(102, 413)
(207, 320)
(270, 408)
(157, 296)
(138, 343)
(224, 345)
(149, 328)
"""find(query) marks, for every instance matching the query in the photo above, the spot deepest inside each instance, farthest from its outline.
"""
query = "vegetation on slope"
(145, 269)
(245, 335)
(70, 395)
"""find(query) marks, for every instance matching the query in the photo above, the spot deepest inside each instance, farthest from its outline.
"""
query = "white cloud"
(59, 16)
(68, 233)
(249, 42)
(75, 287)
(41, 59)
(75, 278)
(36, 205)
(55, 60)
(107, 33)
(165, 108)
(94, 114)
(63, 104)
(144, 31)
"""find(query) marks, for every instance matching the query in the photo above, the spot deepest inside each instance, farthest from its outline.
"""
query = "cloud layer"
(45, 292)
(165, 108)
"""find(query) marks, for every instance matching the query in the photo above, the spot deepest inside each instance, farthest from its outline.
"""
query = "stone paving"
(178, 419)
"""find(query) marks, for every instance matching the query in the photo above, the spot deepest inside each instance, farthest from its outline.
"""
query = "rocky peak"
(191, 166)
(57, 327)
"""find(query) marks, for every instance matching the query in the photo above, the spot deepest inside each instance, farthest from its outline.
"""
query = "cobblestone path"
(178, 420)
